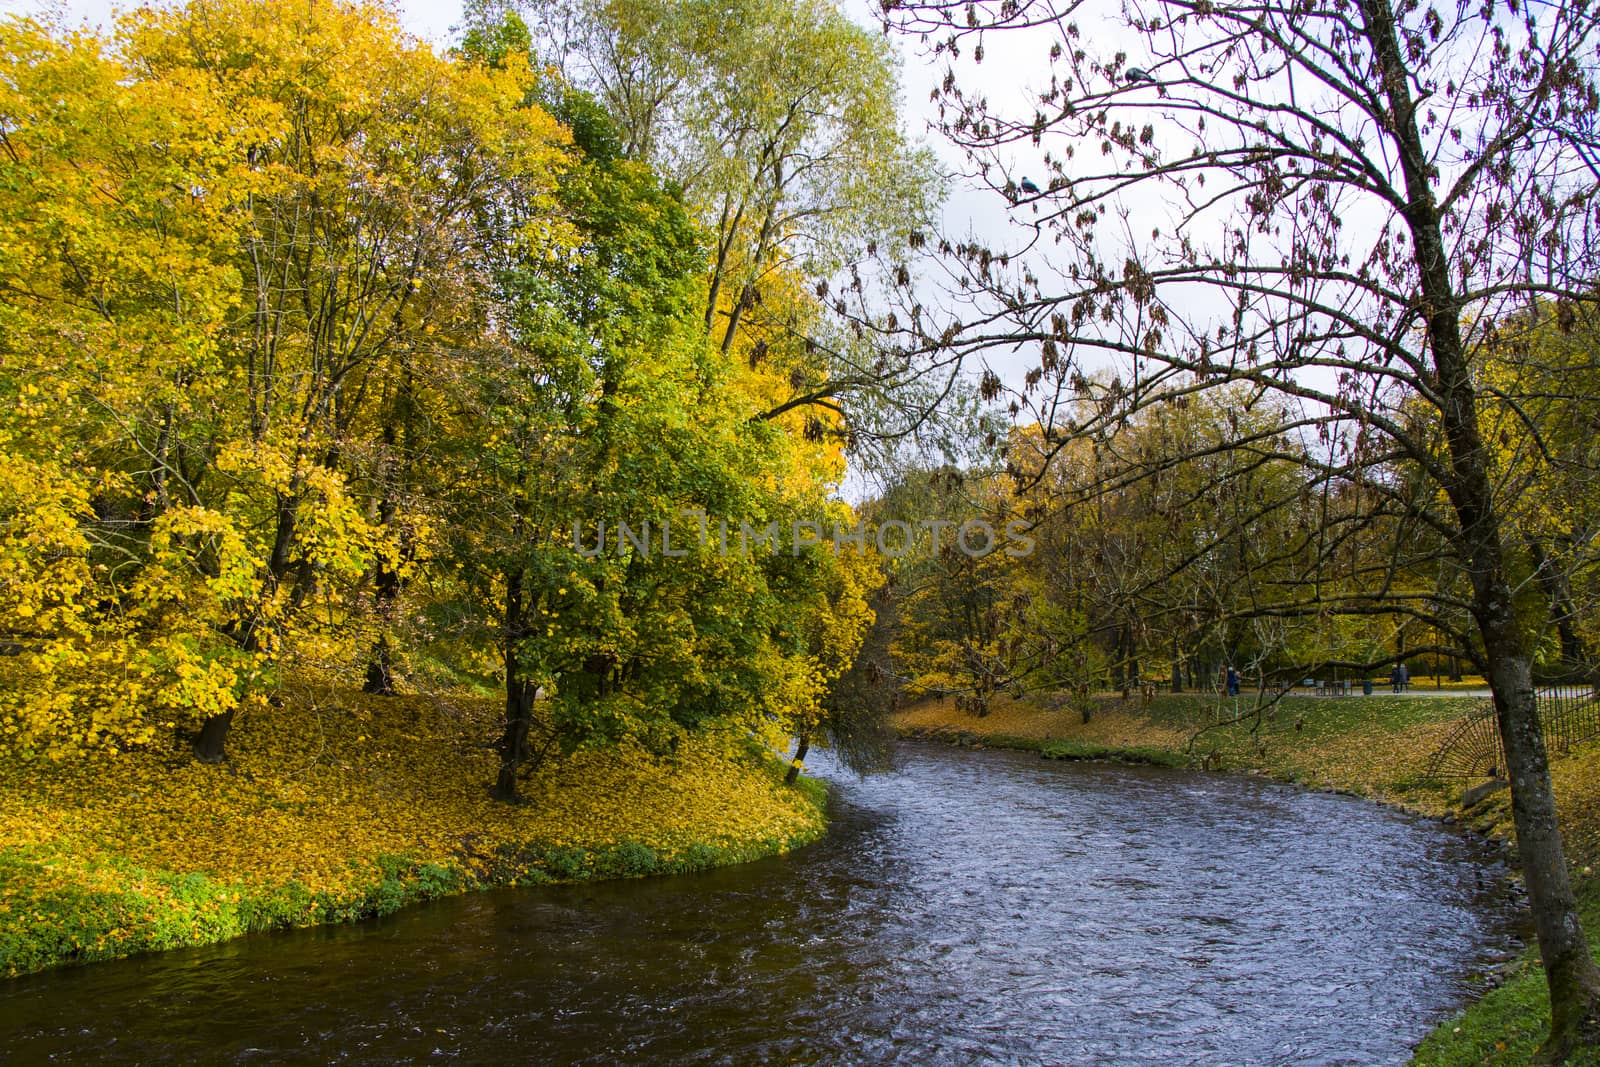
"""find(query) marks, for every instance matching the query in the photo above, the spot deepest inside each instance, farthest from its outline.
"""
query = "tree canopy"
(332, 355)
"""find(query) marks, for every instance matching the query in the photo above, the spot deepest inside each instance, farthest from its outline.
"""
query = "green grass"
(1501, 1029)
(49, 922)
(1321, 716)
(1505, 1027)
(1371, 745)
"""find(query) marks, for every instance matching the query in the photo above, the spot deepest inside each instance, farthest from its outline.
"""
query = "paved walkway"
(1415, 691)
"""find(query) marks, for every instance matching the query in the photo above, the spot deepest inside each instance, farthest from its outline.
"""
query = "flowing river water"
(968, 908)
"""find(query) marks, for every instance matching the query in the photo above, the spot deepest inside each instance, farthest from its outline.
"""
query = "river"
(968, 908)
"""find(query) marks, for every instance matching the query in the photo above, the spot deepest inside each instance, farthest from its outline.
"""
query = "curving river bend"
(968, 908)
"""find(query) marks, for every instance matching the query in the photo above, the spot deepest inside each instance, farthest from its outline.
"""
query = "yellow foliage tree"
(255, 218)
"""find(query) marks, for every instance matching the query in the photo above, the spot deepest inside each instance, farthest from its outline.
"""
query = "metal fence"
(1568, 714)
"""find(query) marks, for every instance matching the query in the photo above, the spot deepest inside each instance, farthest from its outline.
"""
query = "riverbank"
(340, 806)
(1368, 746)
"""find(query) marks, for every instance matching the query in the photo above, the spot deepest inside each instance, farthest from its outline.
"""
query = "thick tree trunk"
(1568, 965)
(211, 745)
(799, 757)
(380, 670)
(513, 745)
(1570, 970)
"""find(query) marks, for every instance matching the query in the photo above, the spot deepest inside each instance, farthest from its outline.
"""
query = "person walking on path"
(1394, 678)
(1405, 678)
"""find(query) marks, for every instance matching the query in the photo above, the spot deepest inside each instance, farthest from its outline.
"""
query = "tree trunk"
(513, 745)
(1118, 660)
(1568, 966)
(747, 294)
(725, 235)
(1563, 612)
(380, 670)
(386, 582)
(799, 757)
(386, 591)
(211, 745)
(1570, 970)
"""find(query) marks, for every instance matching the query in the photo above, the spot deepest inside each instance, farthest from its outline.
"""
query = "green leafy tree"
(779, 121)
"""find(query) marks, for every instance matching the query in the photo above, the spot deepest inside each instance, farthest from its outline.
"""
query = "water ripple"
(970, 908)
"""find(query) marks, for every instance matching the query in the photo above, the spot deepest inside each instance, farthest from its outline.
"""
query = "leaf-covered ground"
(340, 805)
(1374, 746)
(1371, 745)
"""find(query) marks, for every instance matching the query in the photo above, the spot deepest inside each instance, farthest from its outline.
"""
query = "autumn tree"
(1171, 533)
(606, 464)
(780, 123)
(1539, 368)
(119, 200)
(855, 720)
(965, 621)
(1333, 203)
(260, 228)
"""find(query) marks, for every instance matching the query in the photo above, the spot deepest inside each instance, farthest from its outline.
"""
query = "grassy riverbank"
(340, 806)
(1370, 746)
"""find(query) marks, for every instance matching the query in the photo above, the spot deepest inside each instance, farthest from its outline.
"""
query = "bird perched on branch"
(1028, 187)
(1136, 75)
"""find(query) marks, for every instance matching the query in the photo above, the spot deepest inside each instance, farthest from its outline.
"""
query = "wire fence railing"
(1568, 714)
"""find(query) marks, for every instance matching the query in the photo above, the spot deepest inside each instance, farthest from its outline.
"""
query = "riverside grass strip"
(342, 806)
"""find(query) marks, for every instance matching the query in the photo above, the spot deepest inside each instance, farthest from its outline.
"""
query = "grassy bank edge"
(1061, 749)
(132, 909)
(1500, 1028)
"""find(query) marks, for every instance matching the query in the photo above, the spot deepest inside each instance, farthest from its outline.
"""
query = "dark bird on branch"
(1028, 187)
(1136, 75)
